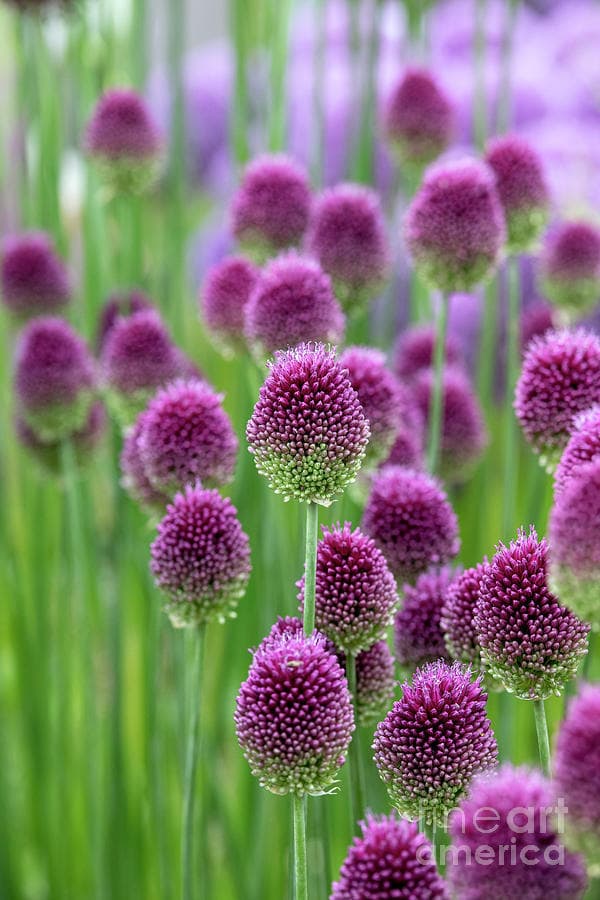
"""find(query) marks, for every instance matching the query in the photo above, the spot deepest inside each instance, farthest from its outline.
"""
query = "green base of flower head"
(312, 478)
(53, 424)
(576, 297)
(414, 154)
(371, 709)
(308, 776)
(432, 808)
(185, 611)
(129, 176)
(549, 457)
(354, 297)
(258, 249)
(534, 683)
(585, 839)
(580, 593)
(449, 274)
(125, 408)
(524, 228)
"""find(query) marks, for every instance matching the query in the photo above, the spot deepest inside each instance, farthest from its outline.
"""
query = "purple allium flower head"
(536, 320)
(577, 768)
(458, 613)
(583, 447)
(138, 356)
(419, 118)
(271, 208)
(528, 641)
(34, 279)
(381, 396)
(414, 351)
(375, 683)
(55, 379)
(574, 530)
(522, 190)
(434, 740)
(292, 303)
(560, 378)
(135, 480)
(347, 235)
(355, 591)
(570, 267)
(455, 227)
(418, 635)
(392, 859)
(509, 815)
(223, 300)
(407, 449)
(119, 306)
(187, 437)
(83, 441)
(410, 519)
(200, 557)
(308, 432)
(294, 715)
(463, 437)
(123, 137)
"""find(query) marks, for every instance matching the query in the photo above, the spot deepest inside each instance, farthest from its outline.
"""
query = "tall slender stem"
(191, 765)
(279, 44)
(510, 425)
(436, 407)
(310, 567)
(300, 867)
(363, 163)
(479, 52)
(239, 122)
(319, 98)
(504, 89)
(541, 727)
(176, 233)
(357, 778)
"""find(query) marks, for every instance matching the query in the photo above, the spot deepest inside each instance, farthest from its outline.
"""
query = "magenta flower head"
(125, 142)
(138, 356)
(418, 635)
(536, 320)
(347, 235)
(375, 683)
(224, 298)
(419, 118)
(411, 521)
(434, 740)
(414, 351)
(574, 530)
(187, 437)
(522, 190)
(560, 378)
(83, 442)
(292, 303)
(308, 432)
(583, 447)
(407, 449)
(200, 558)
(458, 613)
(529, 642)
(34, 279)
(506, 841)
(392, 859)
(381, 396)
(355, 591)
(119, 306)
(570, 267)
(134, 478)
(464, 434)
(55, 379)
(577, 769)
(271, 209)
(294, 715)
(455, 226)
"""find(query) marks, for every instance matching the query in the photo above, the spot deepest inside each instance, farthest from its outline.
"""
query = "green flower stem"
(541, 727)
(239, 120)
(487, 344)
(300, 867)
(363, 164)
(310, 567)
(431, 830)
(191, 765)
(511, 446)
(318, 167)
(277, 120)
(436, 410)
(479, 54)
(177, 220)
(504, 103)
(357, 776)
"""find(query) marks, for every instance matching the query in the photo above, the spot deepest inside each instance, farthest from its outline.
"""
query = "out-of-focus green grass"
(93, 687)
